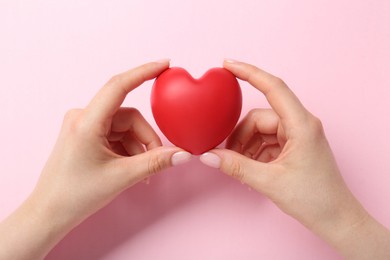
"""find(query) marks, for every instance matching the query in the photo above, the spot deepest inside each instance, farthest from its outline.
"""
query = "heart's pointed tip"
(200, 151)
(196, 152)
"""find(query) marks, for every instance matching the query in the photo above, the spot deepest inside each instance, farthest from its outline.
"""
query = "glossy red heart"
(196, 114)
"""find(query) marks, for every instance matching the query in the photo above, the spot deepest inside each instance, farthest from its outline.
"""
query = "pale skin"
(104, 149)
(283, 153)
(101, 151)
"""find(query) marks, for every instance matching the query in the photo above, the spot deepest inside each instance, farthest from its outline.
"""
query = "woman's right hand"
(283, 153)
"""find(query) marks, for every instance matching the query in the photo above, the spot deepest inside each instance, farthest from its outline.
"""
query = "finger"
(131, 144)
(115, 136)
(263, 121)
(255, 174)
(280, 97)
(131, 120)
(109, 98)
(118, 148)
(136, 168)
(252, 148)
(268, 153)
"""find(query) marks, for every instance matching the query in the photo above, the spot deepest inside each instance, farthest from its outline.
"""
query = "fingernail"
(211, 159)
(163, 61)
(180, 158)
(231, 61)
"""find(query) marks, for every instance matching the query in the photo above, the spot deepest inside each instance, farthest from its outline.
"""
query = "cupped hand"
(283, 153)
(103, 149)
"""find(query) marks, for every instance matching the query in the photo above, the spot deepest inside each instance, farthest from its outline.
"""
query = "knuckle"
(254, 74)
(155, 164)
(71, 117)
(252, 114)
(315, 129)
(236, 171)
(71, 114)
(316, 125)
(275, 82)
(278, 81)
(114, 80)
(128, 112)
(133, 112)
(73, 122)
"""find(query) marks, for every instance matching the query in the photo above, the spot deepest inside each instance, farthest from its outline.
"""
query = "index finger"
(110, 97)
(284, 102)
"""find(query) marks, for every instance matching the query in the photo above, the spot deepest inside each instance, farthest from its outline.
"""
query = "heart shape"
(196, 114)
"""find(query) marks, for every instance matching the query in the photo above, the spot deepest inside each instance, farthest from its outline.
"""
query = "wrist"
(343, 218)
(48, 223)
(366, 239)
(354, 233)
(31, 231)
(50, 213)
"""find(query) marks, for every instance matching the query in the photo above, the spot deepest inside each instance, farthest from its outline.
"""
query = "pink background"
(335, 55)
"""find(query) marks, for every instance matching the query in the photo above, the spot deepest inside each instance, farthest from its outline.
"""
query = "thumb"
(238, 166)
(141, 166)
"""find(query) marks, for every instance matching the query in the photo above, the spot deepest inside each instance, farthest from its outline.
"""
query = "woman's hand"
(101, 151)
(104, 149)
(283, 153)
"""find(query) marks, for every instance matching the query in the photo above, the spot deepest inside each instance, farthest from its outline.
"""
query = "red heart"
(196, 115)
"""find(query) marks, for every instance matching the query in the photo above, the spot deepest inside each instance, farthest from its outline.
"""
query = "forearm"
(367, 240)
(356, 234)
(31, 232)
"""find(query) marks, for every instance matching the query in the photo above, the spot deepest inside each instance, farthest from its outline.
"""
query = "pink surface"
(54, 55)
